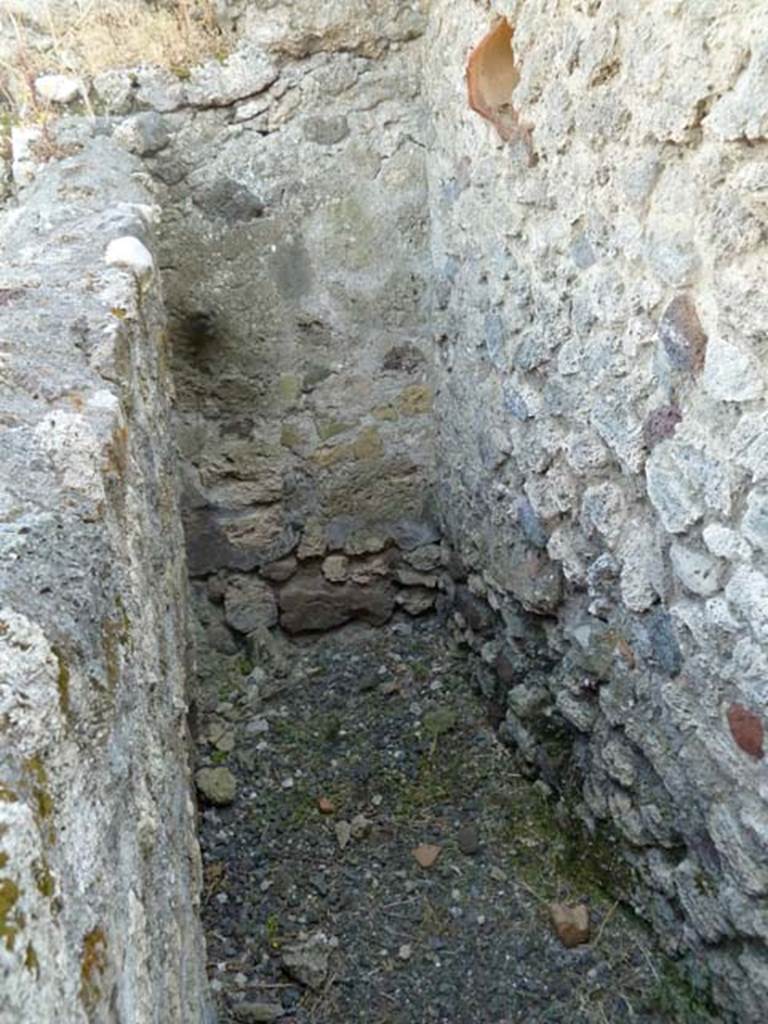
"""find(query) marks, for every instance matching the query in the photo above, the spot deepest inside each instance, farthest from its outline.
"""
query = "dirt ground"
(360, 757)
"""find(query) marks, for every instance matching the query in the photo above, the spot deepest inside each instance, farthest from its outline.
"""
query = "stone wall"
(296, 265)
(99, 865)
(599, 257)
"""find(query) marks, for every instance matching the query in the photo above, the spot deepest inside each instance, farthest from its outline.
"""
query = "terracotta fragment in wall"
(747, 730)
(492, 76)
(661, 424)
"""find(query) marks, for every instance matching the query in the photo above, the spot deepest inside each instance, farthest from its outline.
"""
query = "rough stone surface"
(309, 602)
(97, 823)
(300, 356)
(696, 570)
(248, 604)
(605, 361)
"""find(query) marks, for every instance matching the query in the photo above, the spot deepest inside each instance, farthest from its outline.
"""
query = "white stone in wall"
(742, 113)
(23, 160)
(749, 444)
(585, 452)
(246, 72)
(749, 666)
(28, 671)
(565, 546)
(619, 763)
(673, 258)
(725, 542)
(603, 509)
(642, 567)
(747, 593)
(104, 400)
(671, 489)
(719, 615)
(620, 428)
(754, 525)
(114, 90)
(730, 374)
(697, 571)
(144, 134)
(58, 88)
(552, 493)
(727, 830)
(690, 614)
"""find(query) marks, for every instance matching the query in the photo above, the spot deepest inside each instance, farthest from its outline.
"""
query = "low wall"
(99, 864)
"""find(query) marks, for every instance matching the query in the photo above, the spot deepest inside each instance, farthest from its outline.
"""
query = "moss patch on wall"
(93, 964)
(62, 681)
(11, 919)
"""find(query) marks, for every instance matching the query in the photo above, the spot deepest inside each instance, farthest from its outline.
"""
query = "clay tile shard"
(747, 730)
(426, 854)
(492, 76)
(682, 335)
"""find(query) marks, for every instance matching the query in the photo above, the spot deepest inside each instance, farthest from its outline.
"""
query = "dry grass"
(92, 36)
(104, 34)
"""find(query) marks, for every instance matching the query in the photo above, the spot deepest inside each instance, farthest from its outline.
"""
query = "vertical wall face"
(99, 876)
(296, 269)
(600, 291)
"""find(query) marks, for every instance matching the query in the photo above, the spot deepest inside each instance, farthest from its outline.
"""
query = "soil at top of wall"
(359, 757)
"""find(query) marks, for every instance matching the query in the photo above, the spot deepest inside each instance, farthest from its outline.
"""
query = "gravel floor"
(371, 745)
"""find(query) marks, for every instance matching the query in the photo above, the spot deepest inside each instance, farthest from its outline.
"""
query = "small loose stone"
(257, 1013)
(571, 924)
(469, 840)
(343, 833)
(360, 826)
(216, 785)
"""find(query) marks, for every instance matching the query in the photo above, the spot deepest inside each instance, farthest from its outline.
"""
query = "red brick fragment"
(747, 730)
(492, 76)
(660, 424)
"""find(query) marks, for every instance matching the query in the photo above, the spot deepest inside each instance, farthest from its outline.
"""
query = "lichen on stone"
(93, 964)
(12, 921)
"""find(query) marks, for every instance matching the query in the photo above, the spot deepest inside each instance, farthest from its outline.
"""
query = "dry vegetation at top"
(91, 36)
